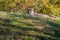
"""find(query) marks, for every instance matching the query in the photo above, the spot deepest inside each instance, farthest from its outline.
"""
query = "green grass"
(26, 27)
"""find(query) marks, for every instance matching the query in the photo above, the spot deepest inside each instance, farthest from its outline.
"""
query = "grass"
(26, 27)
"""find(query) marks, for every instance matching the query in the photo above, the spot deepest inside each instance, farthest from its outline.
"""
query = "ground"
(20, 26)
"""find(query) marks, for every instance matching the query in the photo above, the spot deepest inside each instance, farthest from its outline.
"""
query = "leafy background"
(40, 6)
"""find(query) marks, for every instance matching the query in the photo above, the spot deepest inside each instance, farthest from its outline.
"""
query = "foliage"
(40, 6)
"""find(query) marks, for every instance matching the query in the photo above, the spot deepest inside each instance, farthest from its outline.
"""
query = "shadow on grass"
(19, 33)
(56, 28)
(24, 28)
(5, 20)
(7, 32)
(19, 27)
